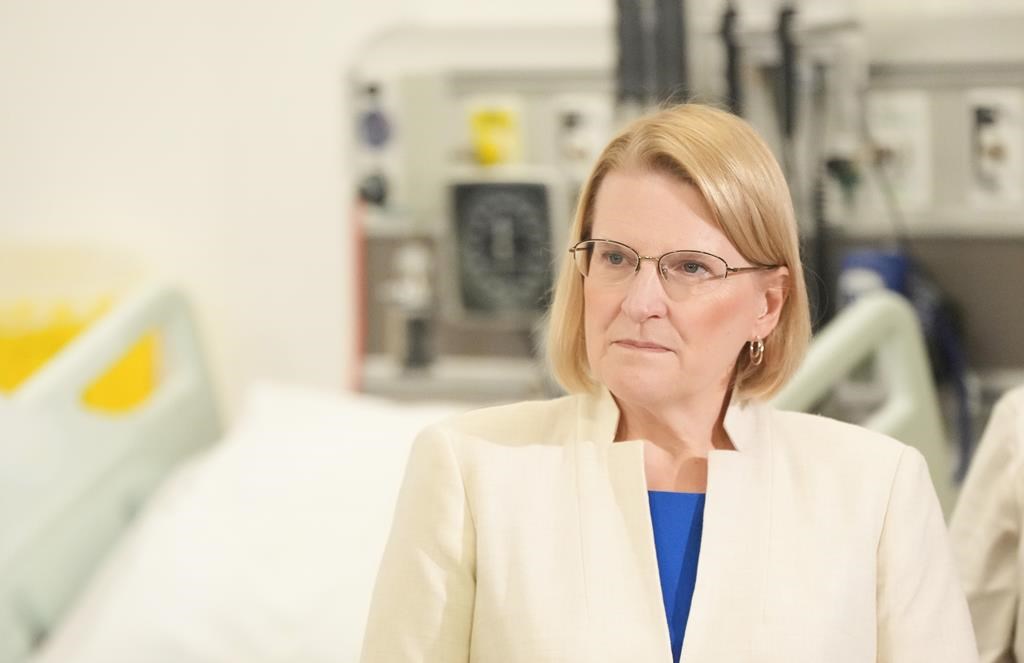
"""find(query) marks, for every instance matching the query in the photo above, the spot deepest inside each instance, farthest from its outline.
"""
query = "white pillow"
(263, 549)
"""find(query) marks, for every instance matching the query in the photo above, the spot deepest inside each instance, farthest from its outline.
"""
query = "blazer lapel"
(625, 608)
(727, 613)
(625, 611)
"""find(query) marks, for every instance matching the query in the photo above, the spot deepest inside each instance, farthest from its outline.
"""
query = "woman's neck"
(681, 430)
(677, 442)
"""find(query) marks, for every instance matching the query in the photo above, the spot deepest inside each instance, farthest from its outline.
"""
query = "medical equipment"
(491, 134)
(652, 42)
(868, 91)
(412, 298)
(801, 80)
(503, 240)
(733, 86)
(892, 148)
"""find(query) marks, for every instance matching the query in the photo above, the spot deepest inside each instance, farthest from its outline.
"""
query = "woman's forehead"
(656, 213)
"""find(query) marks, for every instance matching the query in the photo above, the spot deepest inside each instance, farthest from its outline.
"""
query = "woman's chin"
(645, 390)
(654, 389)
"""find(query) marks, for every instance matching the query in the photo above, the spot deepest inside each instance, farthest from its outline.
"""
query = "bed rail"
(68, 491)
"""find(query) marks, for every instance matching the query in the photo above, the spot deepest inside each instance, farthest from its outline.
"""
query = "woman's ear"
(773, 293)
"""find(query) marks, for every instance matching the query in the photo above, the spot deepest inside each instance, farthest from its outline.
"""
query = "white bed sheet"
(264, 548)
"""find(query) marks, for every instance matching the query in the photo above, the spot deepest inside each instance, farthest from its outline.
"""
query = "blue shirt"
(678, 519)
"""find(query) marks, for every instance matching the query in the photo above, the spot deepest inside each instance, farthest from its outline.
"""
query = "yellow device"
(495, 134)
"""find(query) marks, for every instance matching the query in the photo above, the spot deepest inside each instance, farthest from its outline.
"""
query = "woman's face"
(645, 347)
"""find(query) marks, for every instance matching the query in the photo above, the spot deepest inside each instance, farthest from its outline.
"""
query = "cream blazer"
(522, 535)
(986, 533)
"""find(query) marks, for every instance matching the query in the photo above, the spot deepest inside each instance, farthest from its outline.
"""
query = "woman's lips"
(646, 346)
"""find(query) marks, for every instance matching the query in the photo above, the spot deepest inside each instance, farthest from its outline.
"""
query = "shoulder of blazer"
(1013, 401)
(528, 422)
(1005, 427)
(820, 436)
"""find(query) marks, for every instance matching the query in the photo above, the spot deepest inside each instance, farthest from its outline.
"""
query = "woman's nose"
(646, 296)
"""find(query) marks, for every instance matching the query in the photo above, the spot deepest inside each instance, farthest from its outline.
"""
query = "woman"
(986, 533)
(664, 510)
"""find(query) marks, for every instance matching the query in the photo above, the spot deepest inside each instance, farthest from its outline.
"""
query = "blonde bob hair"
(741, 182)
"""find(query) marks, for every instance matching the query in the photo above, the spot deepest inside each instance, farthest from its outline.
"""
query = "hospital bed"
(263, 547)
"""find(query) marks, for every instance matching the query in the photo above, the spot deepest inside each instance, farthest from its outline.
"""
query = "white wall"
(209, 138)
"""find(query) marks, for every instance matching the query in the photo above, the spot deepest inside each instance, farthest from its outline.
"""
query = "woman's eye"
(614, 259)
(695, 268)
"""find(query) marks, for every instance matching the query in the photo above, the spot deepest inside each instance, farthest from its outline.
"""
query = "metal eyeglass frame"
(657, 260)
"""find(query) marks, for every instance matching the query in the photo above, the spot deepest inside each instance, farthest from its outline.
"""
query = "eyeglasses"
(684, 273)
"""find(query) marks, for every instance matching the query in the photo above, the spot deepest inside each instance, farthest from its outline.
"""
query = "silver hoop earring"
(756, 350)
